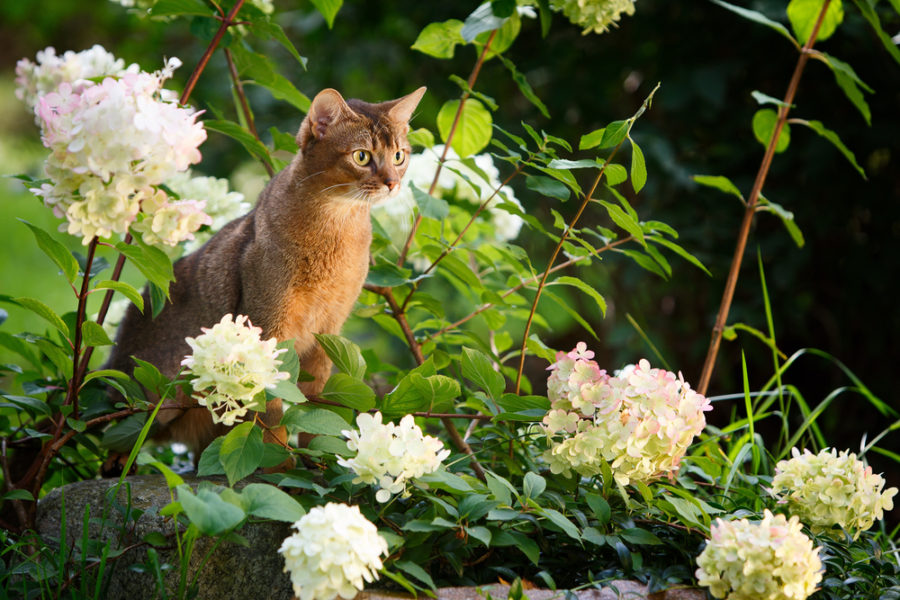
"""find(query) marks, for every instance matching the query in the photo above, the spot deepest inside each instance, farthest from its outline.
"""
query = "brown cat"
(294, 265)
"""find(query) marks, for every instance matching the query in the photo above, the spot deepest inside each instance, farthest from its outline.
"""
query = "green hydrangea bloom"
(594, 15)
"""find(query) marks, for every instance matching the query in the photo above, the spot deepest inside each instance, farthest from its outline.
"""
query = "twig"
(245, 107)
(227, 22)
(77, 373)
(744, 232)
(473, 76)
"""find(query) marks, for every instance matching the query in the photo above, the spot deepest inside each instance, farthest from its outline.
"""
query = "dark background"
(837, 293)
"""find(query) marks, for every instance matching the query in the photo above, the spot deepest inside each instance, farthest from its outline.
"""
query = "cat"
(295, 264)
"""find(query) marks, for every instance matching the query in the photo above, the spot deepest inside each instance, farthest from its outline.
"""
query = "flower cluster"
(111, 143)
(594, 15)
(640, 421)
(334, 550)
(828, 489)
(390, 455)
(763, 560)
(232, 360)
(221, 205)
(75, 68)
(397, 215)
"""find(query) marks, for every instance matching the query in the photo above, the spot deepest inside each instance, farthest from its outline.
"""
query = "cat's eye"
(399, 157)
(361, 157)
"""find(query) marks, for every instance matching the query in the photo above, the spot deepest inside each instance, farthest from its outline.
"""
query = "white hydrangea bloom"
(75, 68)
(640, 422)
(231, 365)
(390, 455)
(759, 560)
(333, 552)
(594, 15)
(170, 223)
(828, 490)
(221, 205)
(111, 143)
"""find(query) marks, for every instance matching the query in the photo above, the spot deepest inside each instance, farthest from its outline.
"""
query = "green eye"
(361, 157)
(399, 157)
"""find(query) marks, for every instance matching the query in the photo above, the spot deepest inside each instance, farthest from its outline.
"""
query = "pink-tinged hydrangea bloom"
(759, 560)
(640, 422)
(231, 366)
(170, 223)
(111, 143)
(333, 552)
(828, 490)
(391, 455)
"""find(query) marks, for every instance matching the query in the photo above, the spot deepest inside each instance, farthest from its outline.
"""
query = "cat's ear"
(404, 107)
(326, 108)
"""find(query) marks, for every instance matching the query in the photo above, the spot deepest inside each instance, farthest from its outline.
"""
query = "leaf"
(345, 355)
(241, 135)
(592, 139)
(501, 489)
(600, 507)
(56, 251)
(152, 262)
(318, 421)
(349, 391)
(268, 502)
(404, 398)
(267, 29)
(867, 9)
(679, 251)
(45, 312)
(766, 99)
(436, 390)
(760, 18)
(832, 137)
(173, 479)
(329, 9)
(123, 288)
(440, 39)
(547, 187)
(615, 174)
(719, 182)
(261, 71)
(614, 133)
(444, 480)
(473, 131)
(533, 485)
(416, 571)
(210, 463)
(625, 221)
(558, 519)
(242, 451)
(111, 373)
(524, 86)
(764, 122)
(481, 20)
(421, 137)
(208, 511)
(584, 163)
(27, 402)
(173, 8)
(429, 206)
(93, 334)
(479, 369)
(850, 84)
(584, 287)
(636, 535)
(638, 167)
(787, 218)
(17, 495)
(803, 15)
(386, 273)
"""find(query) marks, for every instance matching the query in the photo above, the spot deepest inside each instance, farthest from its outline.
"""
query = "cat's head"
(353, 149)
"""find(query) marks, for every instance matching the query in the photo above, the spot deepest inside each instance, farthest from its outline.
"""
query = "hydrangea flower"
(594, 15)
(231, 365)
(640, 421)
(759, 560)
(75, 68)
(221, 205)
(170, 223)
(111, 143)
(828, 490)
(334, 550)
(390, 455)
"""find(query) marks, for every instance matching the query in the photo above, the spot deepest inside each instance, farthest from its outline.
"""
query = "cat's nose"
(392, 184)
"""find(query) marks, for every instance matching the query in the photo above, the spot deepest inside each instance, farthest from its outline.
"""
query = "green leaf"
(56, 251)
(444, 480)
(479, 369)
(558, 519)
(533, 485)
(290, 362)
(473, 131)
(210, 463)
(638, 167)
(173, 479)
(592, 139)
(173, 8)
(547, 187)
(679, 251)
(850, 84)
(17, 495)
(440, 39)
(429, 206)
(242, 451)
(261, 71)
(318, 421)
(45, 312)
(600, 507)
(287, 391)
(615, 174)
(584, 287)
(614, 133)
(481, 20)
(501, 489)
(524, 86)
(766, 99)
(760, 18)
(110, 373)
(241, 135)
(27, 402)
(345, 355)
(636, 535)
(208, 512)
(152, 262)
(268, 502)
(867, 8)
(416, 571)
(123, 288)
(267, 29)
(349, 391)
(719, 182)
(525, 544)
(832, 137)
(420, 137)
(405, 398)
(787, 218)
(764, 122)
(93, 334)
(437, 390)
(625, 221)
(803, 15)
(329, 9)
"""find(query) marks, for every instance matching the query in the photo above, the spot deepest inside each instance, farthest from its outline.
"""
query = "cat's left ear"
(404, 107)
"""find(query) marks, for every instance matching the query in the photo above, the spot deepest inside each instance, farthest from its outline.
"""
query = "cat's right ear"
(325, 109)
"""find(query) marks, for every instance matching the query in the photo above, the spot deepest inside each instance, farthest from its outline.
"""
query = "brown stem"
(227, 22)
(245, 107)
(559, 245)
(473, 76)
(77, 374)
(8, 485)
(752, 201)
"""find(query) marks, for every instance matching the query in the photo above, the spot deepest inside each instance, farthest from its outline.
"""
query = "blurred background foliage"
(837, 293)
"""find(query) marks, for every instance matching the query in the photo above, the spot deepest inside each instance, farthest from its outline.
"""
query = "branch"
(744, 232)
(227, 22)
